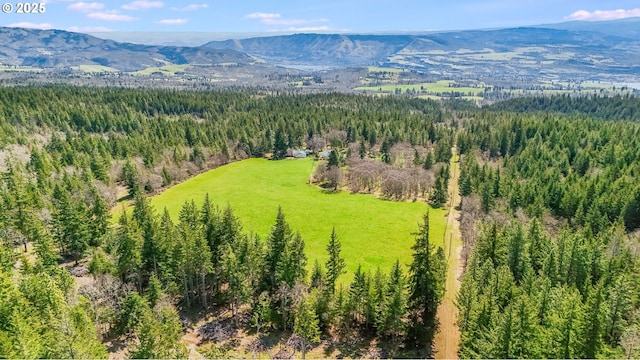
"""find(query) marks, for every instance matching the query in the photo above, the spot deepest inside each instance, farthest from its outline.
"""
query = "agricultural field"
(256, 187)
(13, 68)
(388, 81)
(165, 70)
(430, 90)
(95, 68)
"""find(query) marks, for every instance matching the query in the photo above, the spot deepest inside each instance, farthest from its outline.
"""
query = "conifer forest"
(89, 268)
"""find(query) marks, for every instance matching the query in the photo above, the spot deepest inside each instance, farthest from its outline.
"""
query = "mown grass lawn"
(373, 232)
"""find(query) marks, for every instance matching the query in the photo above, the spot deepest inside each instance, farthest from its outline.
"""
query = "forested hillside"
(71, 153)
(606, 108)
(550, 214)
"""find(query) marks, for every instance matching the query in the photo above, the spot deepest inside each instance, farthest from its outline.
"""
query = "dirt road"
(447, 339)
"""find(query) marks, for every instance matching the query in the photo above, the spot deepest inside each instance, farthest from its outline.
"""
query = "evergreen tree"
(238, 286)
(426, 288)
(334, 160)
(362, 150)
(292, 268)
(358, 294)
(279, 145)
(318, 276)
(76, 336)
(486, 197)
(100, 168)
(128, 256)
(71, 225)
(378, 299)
(395, 305)
(154, 292)
(592, 323)
(428, 160)
(99, 219)
(130, 177)
(201, 261)
(439, 193)
(276, 245)
(43, 244)
(159, 336)
(384, 152)
(443, 150)
(464, 182)
(416, 158)
(306, 324)
(151, 253)
(191, 254)
(518, 262)
(335, 263)
(619, 306)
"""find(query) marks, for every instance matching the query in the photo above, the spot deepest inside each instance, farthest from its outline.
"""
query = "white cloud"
(276, 19)
(85, 29)
(111, 15)
(143, 5)
(29, 25)
(310, 28)
(289, 21)
(600, 15)
(172, 21)
(192, 7)
(262, 16)
(86, 7)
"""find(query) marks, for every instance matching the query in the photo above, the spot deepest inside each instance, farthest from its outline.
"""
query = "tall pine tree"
(426, 288)
(335, 263)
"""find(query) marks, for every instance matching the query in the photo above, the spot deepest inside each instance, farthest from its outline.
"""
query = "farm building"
(325, 154)
(298, 154)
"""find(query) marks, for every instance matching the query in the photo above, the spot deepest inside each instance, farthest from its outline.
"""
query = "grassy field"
(166, 70)
(373, 232)
(383, 69)
(94, 68)
(442, 86)
(11, 68)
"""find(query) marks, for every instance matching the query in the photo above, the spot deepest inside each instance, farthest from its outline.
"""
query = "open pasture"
(373, 232)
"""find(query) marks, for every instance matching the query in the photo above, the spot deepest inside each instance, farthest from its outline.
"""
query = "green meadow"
(373, 232)
(442, 86)
(94, 68)
(165, 70)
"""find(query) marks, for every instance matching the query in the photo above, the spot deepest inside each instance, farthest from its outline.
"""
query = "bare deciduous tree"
(316, 143)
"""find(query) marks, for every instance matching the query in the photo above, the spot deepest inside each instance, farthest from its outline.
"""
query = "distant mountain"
(319, 49)
(538, 52)
(627, 28)
(524, 51)
(176, 38)
(62, 49)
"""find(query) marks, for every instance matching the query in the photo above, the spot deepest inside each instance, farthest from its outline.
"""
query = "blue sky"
(310, 15)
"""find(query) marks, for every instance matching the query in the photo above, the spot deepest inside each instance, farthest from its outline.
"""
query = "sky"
(354, 16)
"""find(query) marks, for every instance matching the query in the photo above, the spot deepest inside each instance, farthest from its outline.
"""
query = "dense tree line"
(550, 217)
(552, 248)
(148, 139)
(603, 107)
(67, 148)
(206, 258)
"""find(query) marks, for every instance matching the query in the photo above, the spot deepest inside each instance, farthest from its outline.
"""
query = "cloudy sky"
(309, 15)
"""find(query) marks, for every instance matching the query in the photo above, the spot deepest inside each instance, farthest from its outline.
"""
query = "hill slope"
(62, 49)
(507, 51)
(530, 52)
(628, 28)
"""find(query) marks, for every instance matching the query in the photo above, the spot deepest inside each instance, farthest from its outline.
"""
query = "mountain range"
(568, 49)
